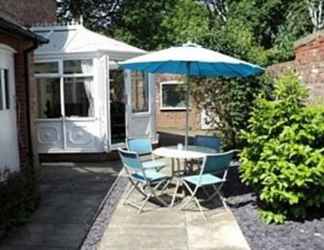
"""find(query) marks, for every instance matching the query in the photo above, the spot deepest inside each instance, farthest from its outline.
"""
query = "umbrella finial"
(191, 44)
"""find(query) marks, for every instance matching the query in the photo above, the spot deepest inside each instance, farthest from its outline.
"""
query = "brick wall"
(29, 12)
(308, 64)
(174, 119)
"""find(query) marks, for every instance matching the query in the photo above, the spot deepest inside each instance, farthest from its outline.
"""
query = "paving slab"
(71, 195)
(171, 228)
(220, 231)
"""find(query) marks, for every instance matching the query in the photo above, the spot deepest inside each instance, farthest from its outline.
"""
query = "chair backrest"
(208, 141)
(130, 160)
(219, 162)
(142, 146)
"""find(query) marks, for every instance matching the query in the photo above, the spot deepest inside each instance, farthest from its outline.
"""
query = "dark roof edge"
(21, 31)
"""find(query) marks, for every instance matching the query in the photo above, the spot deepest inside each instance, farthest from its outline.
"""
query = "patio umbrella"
(191, 60)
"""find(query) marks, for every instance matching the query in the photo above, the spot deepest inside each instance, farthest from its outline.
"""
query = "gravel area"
(293, 235)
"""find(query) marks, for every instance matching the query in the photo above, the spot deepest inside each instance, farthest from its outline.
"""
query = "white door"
(140, 110)
(9, 156)
(70, 105)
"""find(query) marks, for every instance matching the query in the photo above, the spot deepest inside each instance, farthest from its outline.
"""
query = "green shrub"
(284, 158)
(227, 103)
(19, 197)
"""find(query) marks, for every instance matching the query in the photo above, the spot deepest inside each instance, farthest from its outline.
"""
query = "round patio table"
(174, 153)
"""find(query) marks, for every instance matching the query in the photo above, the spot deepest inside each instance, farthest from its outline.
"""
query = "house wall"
(28, 12)
(25, 13)
(21, 93)
(308, 64)
(174, 119)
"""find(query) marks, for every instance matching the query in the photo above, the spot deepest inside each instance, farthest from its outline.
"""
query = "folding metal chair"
(146, 181)
(212, 164)
(143, 147)
(208, 141)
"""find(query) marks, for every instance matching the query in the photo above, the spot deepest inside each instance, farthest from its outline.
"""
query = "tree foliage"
(140, 23)
(98, 15)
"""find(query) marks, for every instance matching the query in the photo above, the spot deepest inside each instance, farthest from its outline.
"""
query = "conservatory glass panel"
(78, 97)
(140, 92)
(6, 87)
(78, 66)
(46, 68)
(1, 91)
(49, 104)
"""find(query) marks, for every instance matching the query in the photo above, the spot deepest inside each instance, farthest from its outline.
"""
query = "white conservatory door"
(140, 110)
(9, 156)
(69, 120)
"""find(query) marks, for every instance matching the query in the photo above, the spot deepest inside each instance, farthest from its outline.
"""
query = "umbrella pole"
(187, 112)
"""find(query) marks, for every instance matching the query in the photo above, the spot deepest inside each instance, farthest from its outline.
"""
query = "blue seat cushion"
(151, 175)
(206, 179)
(154, 164)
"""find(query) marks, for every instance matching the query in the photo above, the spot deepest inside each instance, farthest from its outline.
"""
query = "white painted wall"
(9, 157)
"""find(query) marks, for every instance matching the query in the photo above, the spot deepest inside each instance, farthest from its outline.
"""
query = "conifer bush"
(283, 160)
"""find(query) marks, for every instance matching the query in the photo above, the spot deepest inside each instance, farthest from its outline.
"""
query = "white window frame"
(163, 108)
(3, 93)
(61, 76)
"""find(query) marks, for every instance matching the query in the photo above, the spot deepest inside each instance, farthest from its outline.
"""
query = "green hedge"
(284, 158)
(19, 197)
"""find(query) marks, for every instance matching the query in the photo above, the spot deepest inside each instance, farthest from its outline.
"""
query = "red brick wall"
(29, 12)
(175, 119)
(21, 94)
(308, 64)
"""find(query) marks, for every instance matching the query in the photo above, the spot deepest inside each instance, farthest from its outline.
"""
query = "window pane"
(78, 97)
(78, 67)
(1, 92)
(140, 90)
(46, 68)
(48, 90)
(6, 86)
(173, 96)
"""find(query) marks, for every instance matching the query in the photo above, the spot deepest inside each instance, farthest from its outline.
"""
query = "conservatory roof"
(78, 39)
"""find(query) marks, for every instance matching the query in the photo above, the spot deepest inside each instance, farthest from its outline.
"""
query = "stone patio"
(172, 229)
(71, 195)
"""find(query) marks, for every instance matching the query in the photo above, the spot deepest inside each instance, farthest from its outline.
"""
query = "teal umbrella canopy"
(192, 60)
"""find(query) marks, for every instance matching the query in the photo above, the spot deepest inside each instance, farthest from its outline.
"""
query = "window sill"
(174, 109)
(66, 119)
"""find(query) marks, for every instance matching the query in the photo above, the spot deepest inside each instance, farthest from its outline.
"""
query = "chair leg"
(147, 190)
(129, 192)
(175, 193)
(159, 184)
(191, 197)
(200, 208)
(218, 192)
(165, 185)
(143, 204)
(153, 194)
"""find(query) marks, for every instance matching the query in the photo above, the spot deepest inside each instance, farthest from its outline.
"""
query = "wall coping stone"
(309, 38)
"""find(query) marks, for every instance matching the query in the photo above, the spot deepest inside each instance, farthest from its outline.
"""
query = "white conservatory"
(85, 102)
